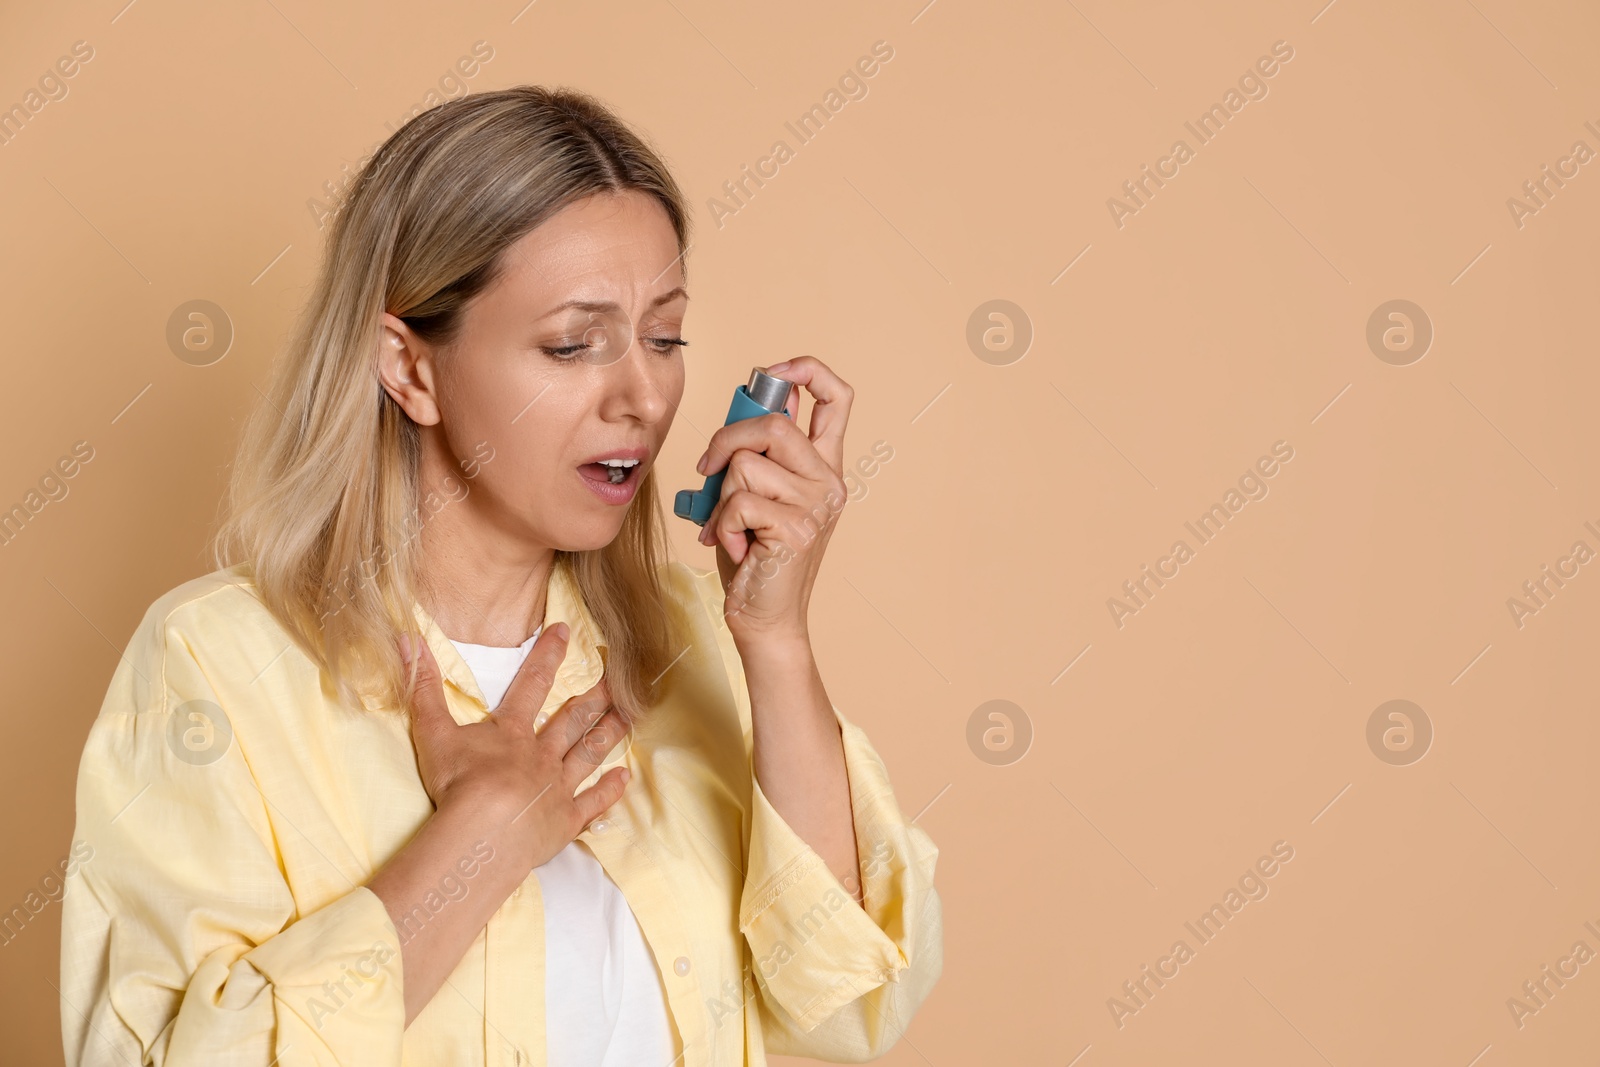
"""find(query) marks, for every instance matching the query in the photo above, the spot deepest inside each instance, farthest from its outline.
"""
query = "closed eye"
(567, 352)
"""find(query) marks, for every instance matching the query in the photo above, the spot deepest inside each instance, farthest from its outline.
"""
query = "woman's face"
(516, 414)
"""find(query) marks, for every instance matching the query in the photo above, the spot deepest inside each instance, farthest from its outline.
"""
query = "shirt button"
(599, 826)
(681, 965)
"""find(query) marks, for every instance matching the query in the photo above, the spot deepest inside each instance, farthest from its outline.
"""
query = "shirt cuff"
(815, 949)
(337, 976)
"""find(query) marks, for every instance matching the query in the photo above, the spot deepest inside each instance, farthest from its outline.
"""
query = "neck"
(480, 584)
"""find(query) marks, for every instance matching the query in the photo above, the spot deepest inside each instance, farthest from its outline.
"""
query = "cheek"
(531, 455)
(474, 412)
(492, 385)
(512, 414)
(671, 384)
(539, 445)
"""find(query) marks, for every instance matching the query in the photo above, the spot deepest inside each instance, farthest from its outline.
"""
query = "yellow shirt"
(222, 915)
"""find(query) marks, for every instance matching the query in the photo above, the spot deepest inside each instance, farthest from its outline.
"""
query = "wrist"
(788, 644)
(473, 801)
(474, 814)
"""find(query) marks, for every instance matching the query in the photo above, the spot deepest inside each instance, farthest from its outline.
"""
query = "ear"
(407, 371)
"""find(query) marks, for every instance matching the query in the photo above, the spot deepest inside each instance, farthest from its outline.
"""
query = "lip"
(641, 454)
(617, 494)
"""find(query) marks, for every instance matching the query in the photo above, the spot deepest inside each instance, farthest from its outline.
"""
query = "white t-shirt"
(605, 1005)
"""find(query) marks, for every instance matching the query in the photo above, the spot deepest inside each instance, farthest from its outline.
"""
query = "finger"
(533, 679)
(593, 748)
(592, 802)
(764, 475)
(831, 410)
(599, 692)
(759, 474)
(775, 434)
(429, 713)
(744, 510)
(576, 715)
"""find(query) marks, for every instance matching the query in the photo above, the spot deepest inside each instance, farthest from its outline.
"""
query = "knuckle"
(589, 708)
(541, 675)
(576, 728)
(609, 729)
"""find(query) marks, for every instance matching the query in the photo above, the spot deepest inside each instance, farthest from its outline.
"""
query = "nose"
(634, 386)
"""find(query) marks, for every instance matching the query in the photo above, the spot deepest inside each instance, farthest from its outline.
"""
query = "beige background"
(1228, 313)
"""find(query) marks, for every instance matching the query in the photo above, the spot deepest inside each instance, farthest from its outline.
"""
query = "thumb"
(429, 714)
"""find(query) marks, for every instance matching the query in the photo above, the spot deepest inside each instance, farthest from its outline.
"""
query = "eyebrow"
(612, 305)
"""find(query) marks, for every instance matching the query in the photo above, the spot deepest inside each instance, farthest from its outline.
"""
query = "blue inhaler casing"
(762, 395)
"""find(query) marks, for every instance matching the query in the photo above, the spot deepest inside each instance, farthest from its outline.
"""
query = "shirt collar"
(580, 669)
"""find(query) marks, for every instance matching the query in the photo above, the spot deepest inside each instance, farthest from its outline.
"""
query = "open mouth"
(612, 471)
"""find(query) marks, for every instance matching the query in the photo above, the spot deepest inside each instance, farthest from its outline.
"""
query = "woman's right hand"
(515, 773)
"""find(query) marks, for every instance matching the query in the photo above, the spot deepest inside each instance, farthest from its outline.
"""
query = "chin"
(588, 538)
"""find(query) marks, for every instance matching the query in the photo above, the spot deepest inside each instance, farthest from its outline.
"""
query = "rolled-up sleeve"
(182, 943)
(837, 979)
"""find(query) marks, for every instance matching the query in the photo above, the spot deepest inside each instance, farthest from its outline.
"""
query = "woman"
(332, 821)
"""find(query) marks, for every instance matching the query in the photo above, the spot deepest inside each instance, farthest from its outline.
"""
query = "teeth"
(617, 469)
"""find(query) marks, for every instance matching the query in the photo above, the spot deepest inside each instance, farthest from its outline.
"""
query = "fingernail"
(405, 649)
(779, 366)
(701, 465)
(561, 630)
(625, 775)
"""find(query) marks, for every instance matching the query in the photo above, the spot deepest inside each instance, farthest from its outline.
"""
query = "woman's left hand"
(788, 498)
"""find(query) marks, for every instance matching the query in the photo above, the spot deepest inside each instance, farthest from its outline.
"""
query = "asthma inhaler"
(762, 395)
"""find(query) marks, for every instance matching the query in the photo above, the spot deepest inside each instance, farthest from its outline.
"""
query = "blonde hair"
(325, 486)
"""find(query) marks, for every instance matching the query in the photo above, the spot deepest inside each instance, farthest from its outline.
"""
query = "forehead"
(607, 246)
